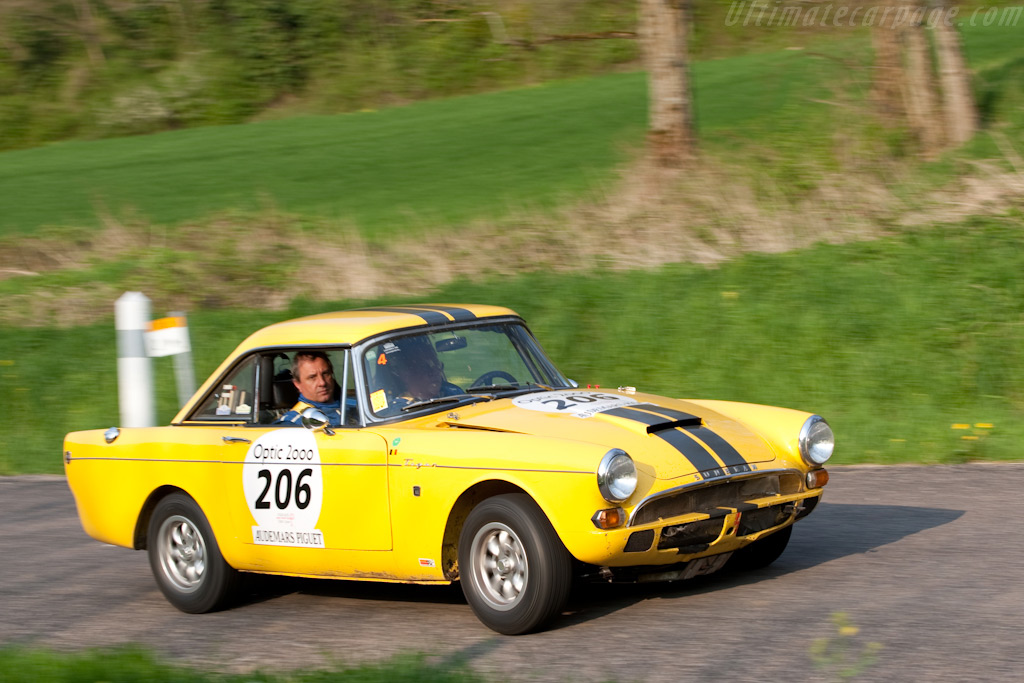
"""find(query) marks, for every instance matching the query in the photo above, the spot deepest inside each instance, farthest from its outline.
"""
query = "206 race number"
(284, 489)
(578, 402)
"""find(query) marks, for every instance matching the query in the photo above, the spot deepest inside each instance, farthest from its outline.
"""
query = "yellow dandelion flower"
(848, 630)
(983, 425)
(960, 425)
(969, 438)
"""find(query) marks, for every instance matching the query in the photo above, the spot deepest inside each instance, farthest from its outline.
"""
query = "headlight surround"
(616, 476)
(817, 442)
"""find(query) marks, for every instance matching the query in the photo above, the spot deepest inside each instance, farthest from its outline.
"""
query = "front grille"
(765, 518)
(694, 537)
(727, 494)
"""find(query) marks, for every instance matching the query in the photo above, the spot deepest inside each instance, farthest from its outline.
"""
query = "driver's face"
(315, 380)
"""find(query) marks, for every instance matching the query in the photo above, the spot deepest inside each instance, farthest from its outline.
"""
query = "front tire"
(185, 559)
(514, 570)
(761, 552)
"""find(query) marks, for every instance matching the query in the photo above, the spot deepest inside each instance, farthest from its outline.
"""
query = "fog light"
(609, 519)
(816, 479)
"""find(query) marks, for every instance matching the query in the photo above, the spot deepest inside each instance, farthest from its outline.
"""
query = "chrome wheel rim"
(500, 567)
(182, 553)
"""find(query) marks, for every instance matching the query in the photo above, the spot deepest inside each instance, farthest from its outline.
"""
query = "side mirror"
(316, 420)
(574, 383)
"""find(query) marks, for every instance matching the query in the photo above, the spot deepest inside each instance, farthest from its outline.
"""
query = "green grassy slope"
(432, 163)
(444, 162)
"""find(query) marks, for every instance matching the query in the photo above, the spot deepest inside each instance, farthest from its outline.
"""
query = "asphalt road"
(927, 562)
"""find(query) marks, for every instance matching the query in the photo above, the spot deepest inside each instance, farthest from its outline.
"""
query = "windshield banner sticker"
(577, 402)
(284, 489)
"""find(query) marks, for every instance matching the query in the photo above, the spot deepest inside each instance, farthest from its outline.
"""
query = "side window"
(232, 399)
(279, 393)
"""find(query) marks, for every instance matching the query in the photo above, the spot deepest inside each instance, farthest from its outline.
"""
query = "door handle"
(234, 439)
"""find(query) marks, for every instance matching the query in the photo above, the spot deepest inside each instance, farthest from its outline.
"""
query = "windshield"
(405, 373)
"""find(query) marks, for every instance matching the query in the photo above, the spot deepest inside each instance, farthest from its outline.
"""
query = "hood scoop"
(667, 418)
(687, 423)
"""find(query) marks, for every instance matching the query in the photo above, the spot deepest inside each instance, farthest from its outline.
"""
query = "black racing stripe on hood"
(654, 422)
(631, 413)
(459, 315)
(722, 448)
(668, 412)
(691, 449)
(429, 317)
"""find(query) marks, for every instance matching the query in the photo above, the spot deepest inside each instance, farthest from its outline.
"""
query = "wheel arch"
(470, 498)
(146, 513)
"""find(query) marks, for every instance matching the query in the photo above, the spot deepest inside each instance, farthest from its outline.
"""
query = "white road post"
(184, 376)
(134, 368)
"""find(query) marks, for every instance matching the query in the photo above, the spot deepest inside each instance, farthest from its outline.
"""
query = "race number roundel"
(284, 488)
(576, 402)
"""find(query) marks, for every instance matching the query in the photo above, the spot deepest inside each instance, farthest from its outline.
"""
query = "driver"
(417, 371)
(313, 376)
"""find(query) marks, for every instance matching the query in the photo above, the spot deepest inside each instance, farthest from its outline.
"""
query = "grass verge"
(894, 341)
(129, 664)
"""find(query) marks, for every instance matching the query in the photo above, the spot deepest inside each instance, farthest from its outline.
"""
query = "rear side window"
(232, 399)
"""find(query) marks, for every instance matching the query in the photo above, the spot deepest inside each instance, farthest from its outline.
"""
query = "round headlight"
(616, 476)
(816, 441)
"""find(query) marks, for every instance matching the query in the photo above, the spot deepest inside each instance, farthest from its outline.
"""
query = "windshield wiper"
(491, 387)
(529, 386)
(445, 399)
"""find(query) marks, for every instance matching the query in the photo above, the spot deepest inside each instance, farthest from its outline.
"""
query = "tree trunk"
(89, 32)
(888, 82)
(923, 112)
(663, 31)
(958, 102)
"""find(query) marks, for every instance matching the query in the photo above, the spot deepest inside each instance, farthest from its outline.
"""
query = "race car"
(437, 443)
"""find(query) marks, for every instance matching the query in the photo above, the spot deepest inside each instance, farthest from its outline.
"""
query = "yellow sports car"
(434, 443)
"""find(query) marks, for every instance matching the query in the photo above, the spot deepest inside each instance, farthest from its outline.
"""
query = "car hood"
(669, 438)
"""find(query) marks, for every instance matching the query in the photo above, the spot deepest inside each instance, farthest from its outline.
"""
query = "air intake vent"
(639, 541)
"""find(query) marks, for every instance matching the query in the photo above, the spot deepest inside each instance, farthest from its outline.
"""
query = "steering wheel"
(488, 378)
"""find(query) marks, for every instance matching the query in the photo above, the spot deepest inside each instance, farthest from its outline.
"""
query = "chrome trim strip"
(497, 469)
(705, 482)
(237, 462)
(341, 464)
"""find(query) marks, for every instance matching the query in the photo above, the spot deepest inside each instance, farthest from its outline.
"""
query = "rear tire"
(185, 559)
(761, 552)
(514, 570)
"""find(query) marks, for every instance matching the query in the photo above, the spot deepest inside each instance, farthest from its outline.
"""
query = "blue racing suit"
(332, 409)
